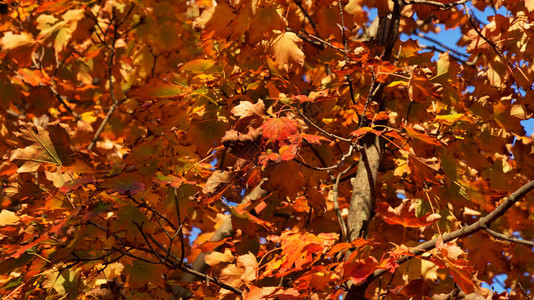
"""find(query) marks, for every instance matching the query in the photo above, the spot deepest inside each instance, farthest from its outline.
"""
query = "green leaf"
(198, 65)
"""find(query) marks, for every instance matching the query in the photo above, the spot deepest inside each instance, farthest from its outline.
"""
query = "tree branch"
(481, 224)
(114, 101)
(331, 135)
(441, 6)
(199, 265)
(501, 236)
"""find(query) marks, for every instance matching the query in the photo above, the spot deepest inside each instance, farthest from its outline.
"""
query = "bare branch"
(180, 232)
(307, 15)
(419, 34)
(320, 40)
(65, 104)
(475, 27)
(508, 238)
(331, 135)
(441, 6)
(345, 45)
(115, 102)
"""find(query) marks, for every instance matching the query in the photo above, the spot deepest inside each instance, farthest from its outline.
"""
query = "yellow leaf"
(214, 258)
(8, 218)
(286, 51)
(11, 41)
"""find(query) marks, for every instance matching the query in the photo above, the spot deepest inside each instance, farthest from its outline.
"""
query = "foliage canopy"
(271, 149)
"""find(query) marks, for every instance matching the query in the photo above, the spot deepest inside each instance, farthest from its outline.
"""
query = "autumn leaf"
(198, 65)
(278, 130)
(47, 146)
(155, 88)
(125, 183)
(422, 137)
(357, 270)
(286, 51)
(11, 41)
(247, 109)
(405, 215)
(140, 273)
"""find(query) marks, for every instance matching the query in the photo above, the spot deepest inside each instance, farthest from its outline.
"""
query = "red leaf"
(314, 139)
(278, 130)
(404, 215)
(359, 269)
(75, 184)
(361, 131)
(28, 246)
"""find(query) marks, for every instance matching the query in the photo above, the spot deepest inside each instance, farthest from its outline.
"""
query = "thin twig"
(322, 130)
(144, 205)
(323, 42)
(475, 27)
(307, 15)
(508, 238)
(460, 60)
(65, 104)
(441, 6)
(114, 101)
(191, 271)
(317, 168)
(441, 44)
(523, 291)
(346, 47)
(170, 264)
(180, 232)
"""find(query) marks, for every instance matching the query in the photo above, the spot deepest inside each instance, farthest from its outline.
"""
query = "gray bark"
(362, 201)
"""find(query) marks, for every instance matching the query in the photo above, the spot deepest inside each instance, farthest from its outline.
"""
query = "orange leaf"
(286, 51)
(422, 137)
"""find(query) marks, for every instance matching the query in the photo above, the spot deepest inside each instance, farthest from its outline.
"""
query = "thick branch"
(363, 188)
(481, 224)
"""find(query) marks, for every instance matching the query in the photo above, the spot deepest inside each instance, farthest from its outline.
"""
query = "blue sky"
(450, 38)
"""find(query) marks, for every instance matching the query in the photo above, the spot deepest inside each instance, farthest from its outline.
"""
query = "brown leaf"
(47, 146)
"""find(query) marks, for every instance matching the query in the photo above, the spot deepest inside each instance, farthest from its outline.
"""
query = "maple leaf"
(286, 51)
(47, 146)
(125, 183)
(214, 258)
(405, 214)
(247, 109)
(278, 130)
(155, 88)
(141, 273)
(198, 65)
(267, 19)
(299, 250)
(359, 269)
